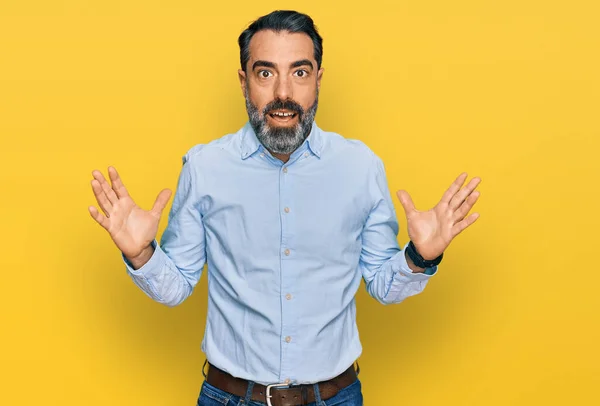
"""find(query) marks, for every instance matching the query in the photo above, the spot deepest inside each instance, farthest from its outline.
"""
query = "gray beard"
(281, 140)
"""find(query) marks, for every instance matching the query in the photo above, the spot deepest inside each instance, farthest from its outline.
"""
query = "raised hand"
(131, 228)
(432, 231)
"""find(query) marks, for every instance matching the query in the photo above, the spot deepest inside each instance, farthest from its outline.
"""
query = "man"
(289, 219)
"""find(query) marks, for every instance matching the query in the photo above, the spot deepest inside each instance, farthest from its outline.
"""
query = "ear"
(242, 78)
(319, 76)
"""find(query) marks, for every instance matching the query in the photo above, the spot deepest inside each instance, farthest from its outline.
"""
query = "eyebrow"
(267, 64)
(302, 62)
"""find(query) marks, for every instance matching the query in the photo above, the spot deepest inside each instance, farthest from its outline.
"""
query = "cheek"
(305, 96)
(259, 97)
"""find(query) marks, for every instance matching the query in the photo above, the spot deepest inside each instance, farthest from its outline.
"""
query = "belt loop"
(304, 393)
(248, 397)
(205, 362)
(317, 394)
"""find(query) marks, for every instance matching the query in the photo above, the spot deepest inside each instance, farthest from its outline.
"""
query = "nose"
(283, 88)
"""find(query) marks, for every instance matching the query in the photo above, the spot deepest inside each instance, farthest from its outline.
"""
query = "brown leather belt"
(291, 396)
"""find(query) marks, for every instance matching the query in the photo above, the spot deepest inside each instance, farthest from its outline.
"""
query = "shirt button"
(305, 154)
(262, 155)
(285, 169)
(286, 252)
(288, 296)
(287, 210)
(288, 339)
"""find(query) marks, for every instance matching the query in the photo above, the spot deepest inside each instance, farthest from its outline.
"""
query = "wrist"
(418, 261)
(141, 259)
(411, 264)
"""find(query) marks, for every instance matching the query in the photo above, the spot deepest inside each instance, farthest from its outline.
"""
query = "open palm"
(432, 231)
(131, 228)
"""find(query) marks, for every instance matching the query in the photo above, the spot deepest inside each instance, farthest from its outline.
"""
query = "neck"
(282, 157)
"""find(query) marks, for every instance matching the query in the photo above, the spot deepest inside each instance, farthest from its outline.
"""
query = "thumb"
(406, 201)
(161, 202)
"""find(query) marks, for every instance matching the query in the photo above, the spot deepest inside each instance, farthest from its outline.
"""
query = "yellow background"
(505, 90)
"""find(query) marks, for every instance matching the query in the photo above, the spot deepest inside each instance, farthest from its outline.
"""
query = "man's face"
(281, 86)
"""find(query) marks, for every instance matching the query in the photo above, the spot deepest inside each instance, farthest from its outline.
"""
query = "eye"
(264, 73)
(301, 73)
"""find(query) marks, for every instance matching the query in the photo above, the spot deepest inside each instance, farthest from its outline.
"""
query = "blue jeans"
(351, 395)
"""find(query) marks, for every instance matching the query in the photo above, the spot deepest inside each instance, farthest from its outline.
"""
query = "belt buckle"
(274, 385)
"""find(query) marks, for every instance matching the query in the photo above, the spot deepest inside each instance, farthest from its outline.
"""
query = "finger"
(101, 198)
(454, 187)
(406, 201)
(161, 202)
(466, 206)
(117, 183)
(110, 194)
(463, 224)
(460, 197)
(100, 219)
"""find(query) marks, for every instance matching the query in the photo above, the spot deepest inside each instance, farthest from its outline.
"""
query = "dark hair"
(281, 20)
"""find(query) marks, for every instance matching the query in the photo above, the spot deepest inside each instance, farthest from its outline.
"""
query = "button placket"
(288, 352)
(287, 250)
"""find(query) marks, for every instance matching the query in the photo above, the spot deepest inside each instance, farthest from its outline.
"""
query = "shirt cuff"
(404, 269)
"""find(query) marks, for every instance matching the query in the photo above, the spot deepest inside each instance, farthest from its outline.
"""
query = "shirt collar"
(250, 143)
(315, 140)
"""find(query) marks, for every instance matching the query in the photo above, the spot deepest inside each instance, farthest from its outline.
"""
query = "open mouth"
(283, 116)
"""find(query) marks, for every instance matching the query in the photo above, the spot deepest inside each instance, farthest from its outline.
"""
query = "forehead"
(281, 48)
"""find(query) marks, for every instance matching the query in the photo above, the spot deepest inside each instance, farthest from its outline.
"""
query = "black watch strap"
(418, 260)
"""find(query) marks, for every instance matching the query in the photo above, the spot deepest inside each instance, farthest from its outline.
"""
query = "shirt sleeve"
(385, 270)
(175, 267)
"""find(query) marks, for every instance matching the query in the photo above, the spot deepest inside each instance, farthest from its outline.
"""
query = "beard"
(281, 140)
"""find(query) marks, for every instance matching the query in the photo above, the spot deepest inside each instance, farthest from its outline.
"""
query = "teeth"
(280, 114)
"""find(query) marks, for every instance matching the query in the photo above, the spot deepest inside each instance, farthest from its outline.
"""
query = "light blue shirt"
(286, 245)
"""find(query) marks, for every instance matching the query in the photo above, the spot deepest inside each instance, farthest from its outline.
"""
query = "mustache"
(284, 105)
